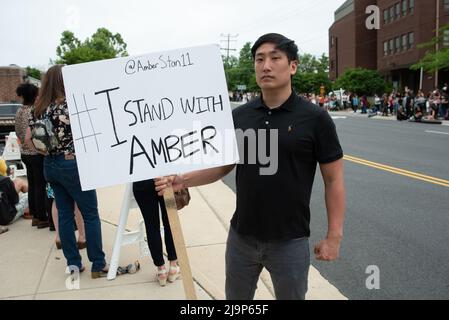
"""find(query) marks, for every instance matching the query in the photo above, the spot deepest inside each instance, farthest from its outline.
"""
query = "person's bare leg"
(80, 225)
(174, 271)
(20, 185)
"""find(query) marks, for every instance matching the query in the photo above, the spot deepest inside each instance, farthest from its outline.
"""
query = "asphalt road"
(396, 223)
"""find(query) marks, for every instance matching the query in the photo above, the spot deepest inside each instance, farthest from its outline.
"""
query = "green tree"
(102, 45)
(312, 74)
(310, 64)
(240, 71)
(323, 64)
(307, 63)
(310, 82)
(435, 60)
(246, 68)
(33, 72)
(362, 82)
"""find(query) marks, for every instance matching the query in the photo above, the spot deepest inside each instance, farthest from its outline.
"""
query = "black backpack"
(42, 136)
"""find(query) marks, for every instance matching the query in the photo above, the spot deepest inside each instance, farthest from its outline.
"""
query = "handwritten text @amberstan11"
(139, 65)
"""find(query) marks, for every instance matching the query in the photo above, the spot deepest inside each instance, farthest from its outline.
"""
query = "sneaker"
(174, 273)
(162, 276)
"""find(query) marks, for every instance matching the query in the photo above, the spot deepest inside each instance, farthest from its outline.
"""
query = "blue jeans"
(287, 262)
(442, 111)
(64, 179)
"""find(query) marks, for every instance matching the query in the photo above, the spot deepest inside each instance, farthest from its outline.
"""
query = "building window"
(446, 5)
(332, 42)
(404, 7)
(398, 44)
(446, 38)
(391, 47)
(412, 6)
(392, 16)
(386, 48)
(404, 42)
(411, 40)
(398, 10)
(332, 64)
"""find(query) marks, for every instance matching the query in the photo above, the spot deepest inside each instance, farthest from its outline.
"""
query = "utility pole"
(437, 46)
(337, 64)
(229, 39)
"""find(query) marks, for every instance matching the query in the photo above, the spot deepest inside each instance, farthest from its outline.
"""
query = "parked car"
(7, 118)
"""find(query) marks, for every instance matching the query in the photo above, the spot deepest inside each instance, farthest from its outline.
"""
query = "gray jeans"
(287, 262)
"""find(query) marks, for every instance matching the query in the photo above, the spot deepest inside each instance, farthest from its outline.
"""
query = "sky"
(30, 30)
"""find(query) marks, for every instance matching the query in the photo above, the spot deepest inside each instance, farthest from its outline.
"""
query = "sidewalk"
(34, 269)
(350, 113)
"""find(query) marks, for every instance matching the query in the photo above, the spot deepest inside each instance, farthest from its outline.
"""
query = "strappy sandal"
(174, 273)
(162, 277)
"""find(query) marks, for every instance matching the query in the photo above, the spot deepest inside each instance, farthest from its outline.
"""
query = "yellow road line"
(410, 174)
(398, 169)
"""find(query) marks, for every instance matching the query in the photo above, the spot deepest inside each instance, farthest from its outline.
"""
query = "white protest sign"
(137, 118)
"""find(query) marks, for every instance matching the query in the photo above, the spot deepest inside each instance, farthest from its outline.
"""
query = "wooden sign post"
(178, 239)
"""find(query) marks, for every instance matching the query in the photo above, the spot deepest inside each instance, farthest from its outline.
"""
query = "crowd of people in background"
(241, 96)
(404, 105)
(433, 105)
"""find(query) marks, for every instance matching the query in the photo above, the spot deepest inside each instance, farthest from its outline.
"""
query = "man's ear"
(293, 67)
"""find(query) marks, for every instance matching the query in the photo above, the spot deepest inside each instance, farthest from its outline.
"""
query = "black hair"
(28, 92)
(282, 43)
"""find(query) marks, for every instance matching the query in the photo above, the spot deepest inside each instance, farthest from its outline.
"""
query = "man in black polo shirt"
(270, 227)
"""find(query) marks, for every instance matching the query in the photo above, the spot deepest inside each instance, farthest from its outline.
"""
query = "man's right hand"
(176, 182)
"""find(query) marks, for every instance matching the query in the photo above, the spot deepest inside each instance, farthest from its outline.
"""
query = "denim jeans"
(442, 111)
(64, 179)
(287, 262)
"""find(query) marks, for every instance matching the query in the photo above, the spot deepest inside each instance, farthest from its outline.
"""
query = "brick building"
(393, 48)
(10, 78)
(349, 44)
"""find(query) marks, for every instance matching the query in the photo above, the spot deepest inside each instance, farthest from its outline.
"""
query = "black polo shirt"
(277, 207)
